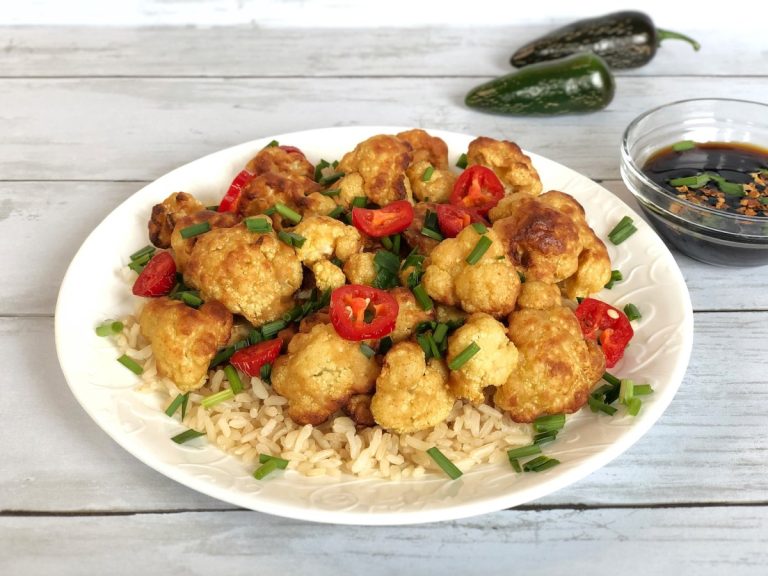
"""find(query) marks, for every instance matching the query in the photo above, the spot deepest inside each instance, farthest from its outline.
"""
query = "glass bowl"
(702, 232)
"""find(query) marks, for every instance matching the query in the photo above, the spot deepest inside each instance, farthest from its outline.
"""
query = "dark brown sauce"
(737, 163)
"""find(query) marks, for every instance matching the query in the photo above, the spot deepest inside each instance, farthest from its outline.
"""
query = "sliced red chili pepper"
(361, 312)
(390, 219)
(606, 324)
(157, 278)
(232, 197)
(478, 188)
(250, 360)
(453, 219)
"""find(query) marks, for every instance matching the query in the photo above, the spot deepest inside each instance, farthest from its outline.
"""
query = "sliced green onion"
(218, 398)
(173, 406)
(184, 403)
(131, 364)
(462, 161)
(523, 451)
(322, 165)
(544, 437)
(549, 422)
(431, 221)
(549, 463)
(479, 227)
(254, 337)
(195, 229)
(359, 201)
(480, 248)
(690, 181)
(282, 463)
(272, 144)
(611, 379)
(191, 299)
(367, 351)
(260, 225)
(385, 344)
(623, 230)
(598, 405)
(632, 312)
(291, 238)
(186, 436)
(331, 178)
(331, 192)
(446, 465)
(626, 391)
(616, 276)
(515, 465)
(288, 213)
(464, 356)
(269, 211)
(109, 328)
(424, 343)
(728, 188)
(221, 356)
(441, 331)
(422, 298)
(265, 373)
(147, 250)
(267, 468)
(272, 328)
(432, 345)
(386, 241)
(538, 461)
(683, 145)
(235, 384)
(336, 212)
(633, 407)
(427, 176)
(429, 233)
(642, 389)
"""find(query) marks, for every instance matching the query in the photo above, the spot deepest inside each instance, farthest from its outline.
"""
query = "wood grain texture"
(55, 129)
(701, 541)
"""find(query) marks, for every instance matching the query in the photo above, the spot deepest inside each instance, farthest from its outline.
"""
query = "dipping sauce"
(727, 176)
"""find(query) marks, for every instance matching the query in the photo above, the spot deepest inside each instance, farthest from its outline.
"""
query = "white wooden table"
(88, 115)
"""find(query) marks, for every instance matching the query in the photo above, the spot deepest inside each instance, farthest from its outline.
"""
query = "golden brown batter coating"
(326, 237)
(184, 340)
(491, 366)
(439, 186)
(360, 268)
(281, 161)
(381, 162)
(411, 394)
(556, 367)
(358, 407)
(491, 285)
(409, 314)
(297, 192)
(539, 295)
(320, 373)
(165, 215)
(426, 147)
(251, 274)
(182, 247)
(507, 160)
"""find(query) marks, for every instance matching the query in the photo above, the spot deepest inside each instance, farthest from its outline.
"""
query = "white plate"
(92, 291)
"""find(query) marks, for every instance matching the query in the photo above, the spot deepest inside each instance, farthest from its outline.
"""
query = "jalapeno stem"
(662, 35)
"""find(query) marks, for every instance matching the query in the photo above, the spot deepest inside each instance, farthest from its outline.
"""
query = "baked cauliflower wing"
(326, 237)
(409, 314)
(426, 147)
(320, 373)
(491, 285)
(251, 274)
(436, 188)
(411, 394)
(507, 160)
(556, 367)
(164, 216)
(182, 247)
(299, 193)
(281, 160)
(491, 366)
(184, 340)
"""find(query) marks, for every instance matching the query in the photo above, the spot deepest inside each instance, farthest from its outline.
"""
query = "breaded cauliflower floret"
(360, 268)
(409, 314)
(540, 240)
(381, 162)
(165, 215)
(539, 295)
(182, 247)
(514, 169)
(490, 285)
(320, 373)
(594, 269)
(297, 192)
(281, 160)
(251, 274)
(491, 366)
(556, 367)
(411, 394)
(426, 148)
(437, 188)
(328, 276)
(184, 340)
(326, 237)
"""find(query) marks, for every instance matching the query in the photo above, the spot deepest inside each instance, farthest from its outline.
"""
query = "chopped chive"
(367, 351)
(260, 225)
(265, 373)
(544, 437)
(195, 229)
(462, 161)
(632, 312)
(221, 356)
(431, 221)
(331, 178)
(550, 463)
(538, 461)
(728, 188)
(147, 250)
(623, 230)
(173, 406)
(616, 276)
(683, 145)
(131, 364)
(322, 165)
(386, 241)
(515, 465)
(336, 212)
(282, 463)
(218, 398)
(385, 344)
(479, 227)
(697, 181)
(272, 328)
(186, 436)
(598, 405)
(184, 402)
(191, 299)
(272, 144)
(288, 213)
(429, 233)
(464, 356)
(633, 407)
(611, 379)
(549, 422)
(109, 328)
(642, 389)
(626, 391)
(269, 211)
(267, 468)
(396, 241)
(359, 201)
(424, 343)
(446, 465)
(441, 331)
(422, 298)
(480, 248)
(137, 266)
(235, 384)
(432, 345)
(254, 337)
(291, 238)
(331, 192)
(523, 451)
(427, 176)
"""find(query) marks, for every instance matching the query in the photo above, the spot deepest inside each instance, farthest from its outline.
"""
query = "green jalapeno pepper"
(577, 84)
(624, 39)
